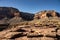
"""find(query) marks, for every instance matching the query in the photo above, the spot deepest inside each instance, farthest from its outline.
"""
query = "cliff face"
(47, 14)
(9, 13)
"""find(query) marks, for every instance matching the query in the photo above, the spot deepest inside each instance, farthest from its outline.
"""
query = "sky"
(32, 6)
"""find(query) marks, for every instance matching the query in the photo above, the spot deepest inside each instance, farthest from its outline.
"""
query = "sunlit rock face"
(47, 14)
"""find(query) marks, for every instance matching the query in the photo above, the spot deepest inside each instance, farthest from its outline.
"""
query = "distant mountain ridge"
(9, 12)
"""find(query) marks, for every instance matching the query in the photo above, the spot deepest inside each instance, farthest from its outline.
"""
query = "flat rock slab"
(48, 31)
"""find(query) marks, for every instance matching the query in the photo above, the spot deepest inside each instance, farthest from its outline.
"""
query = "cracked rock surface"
(35, 31)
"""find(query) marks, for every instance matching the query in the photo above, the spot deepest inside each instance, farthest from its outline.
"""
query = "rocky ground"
(16, 25)
(42, 29)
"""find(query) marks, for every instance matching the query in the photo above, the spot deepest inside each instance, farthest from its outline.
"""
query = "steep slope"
(9, 12)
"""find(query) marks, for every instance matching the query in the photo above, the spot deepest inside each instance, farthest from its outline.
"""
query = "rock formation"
(46, 14)
(44, 25)
(9, 13)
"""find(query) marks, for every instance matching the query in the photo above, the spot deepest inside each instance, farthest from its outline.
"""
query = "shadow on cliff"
(9, 13)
